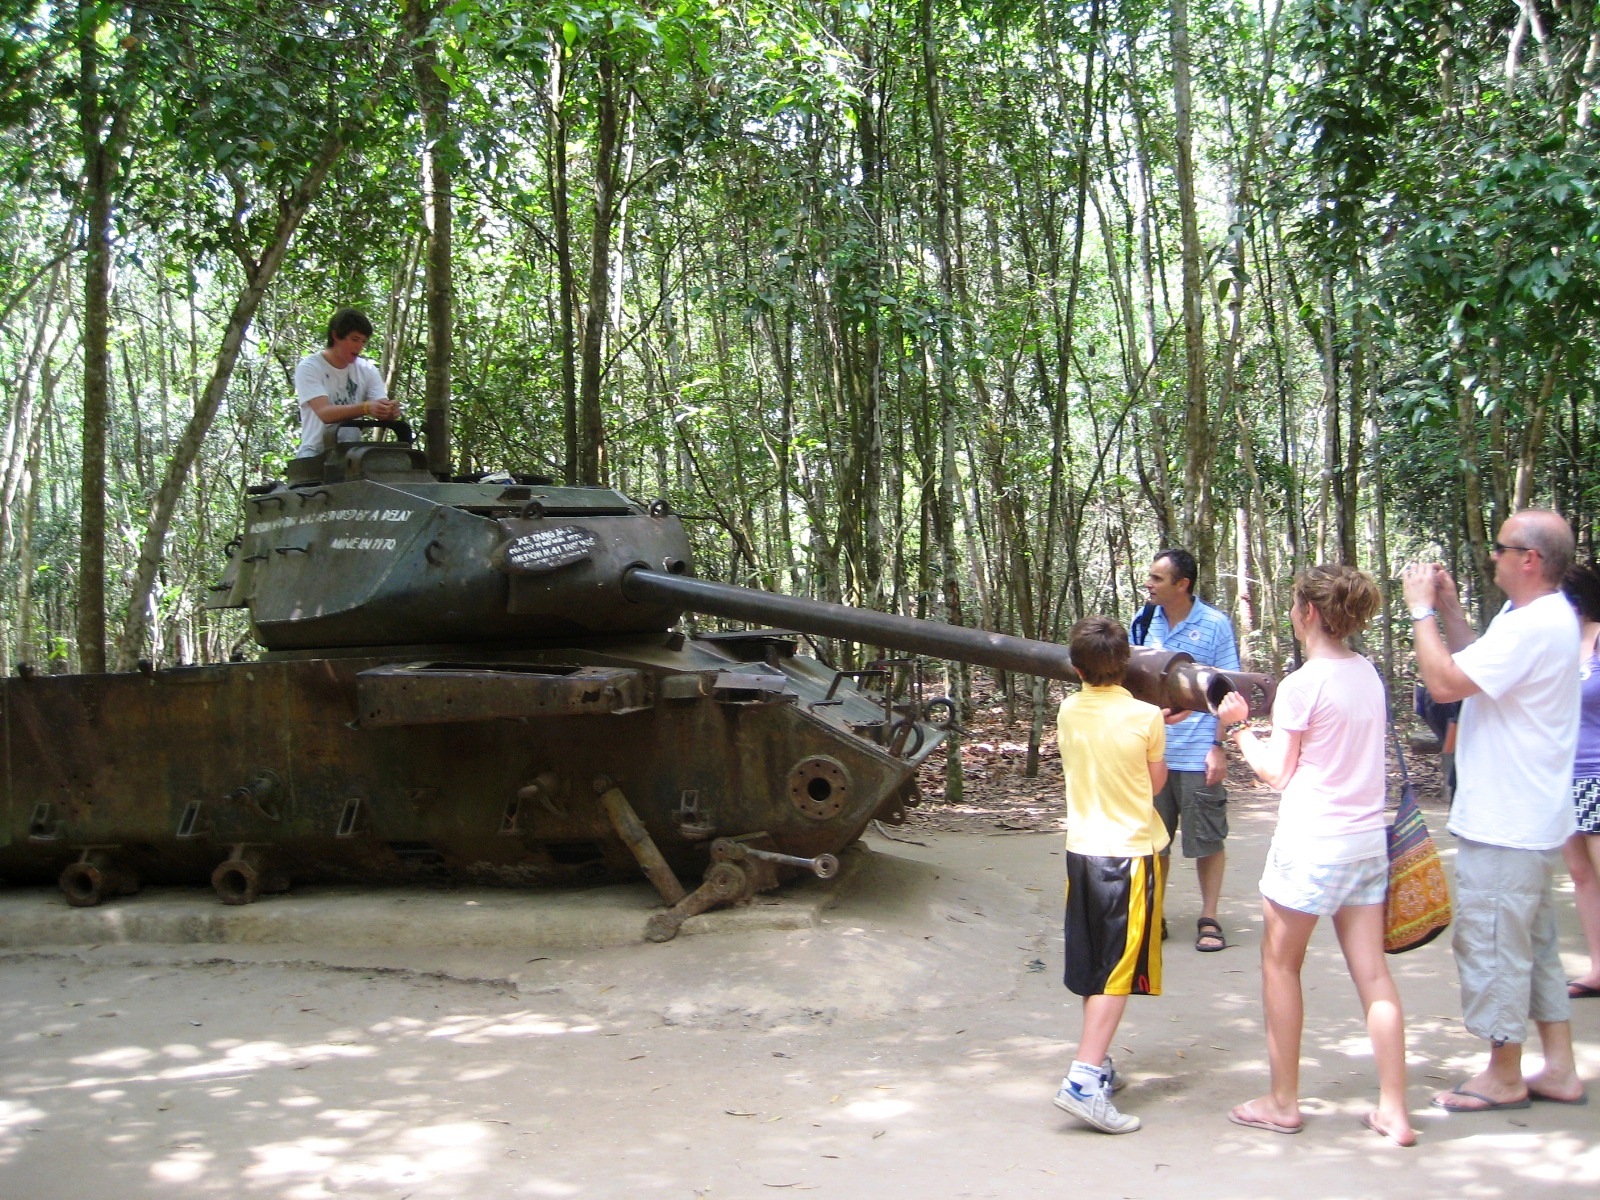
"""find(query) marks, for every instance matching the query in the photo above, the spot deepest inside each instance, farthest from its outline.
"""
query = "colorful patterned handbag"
(1418, 907)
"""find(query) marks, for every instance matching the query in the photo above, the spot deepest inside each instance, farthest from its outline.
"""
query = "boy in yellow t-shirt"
(1113, 760)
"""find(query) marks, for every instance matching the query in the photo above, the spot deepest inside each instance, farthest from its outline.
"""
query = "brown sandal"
(1209, 939)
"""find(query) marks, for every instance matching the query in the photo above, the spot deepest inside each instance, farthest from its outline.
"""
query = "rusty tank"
(483, 681)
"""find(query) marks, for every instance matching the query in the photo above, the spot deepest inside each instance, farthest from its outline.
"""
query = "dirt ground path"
(907, 1045)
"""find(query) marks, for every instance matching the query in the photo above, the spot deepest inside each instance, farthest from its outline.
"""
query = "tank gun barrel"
(1170, 679)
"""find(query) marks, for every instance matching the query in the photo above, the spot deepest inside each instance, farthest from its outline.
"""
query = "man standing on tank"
(336, 384)
(1194, 797)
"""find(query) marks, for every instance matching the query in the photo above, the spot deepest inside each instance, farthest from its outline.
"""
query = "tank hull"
(417, 763)
(478, 681)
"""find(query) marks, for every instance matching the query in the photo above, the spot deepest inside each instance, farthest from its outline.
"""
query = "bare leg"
(1283, 950)
(1360, 930)
(1558, 1078)
(1101, 1015)
(1582, 852)
(1209, 869)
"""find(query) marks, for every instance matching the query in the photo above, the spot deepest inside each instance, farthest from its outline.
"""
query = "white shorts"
(1322, 889)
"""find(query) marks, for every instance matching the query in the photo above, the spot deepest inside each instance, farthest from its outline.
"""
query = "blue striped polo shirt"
(1206, 636)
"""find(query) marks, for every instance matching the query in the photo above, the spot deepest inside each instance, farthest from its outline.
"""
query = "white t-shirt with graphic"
(316, 376)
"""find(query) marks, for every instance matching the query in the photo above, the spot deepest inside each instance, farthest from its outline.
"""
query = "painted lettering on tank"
(362, 543)
(339, 515)
(545, 550)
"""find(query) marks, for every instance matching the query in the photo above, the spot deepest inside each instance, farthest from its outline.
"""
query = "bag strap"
(1399, 754)
(1408, 794)
(1140, 628)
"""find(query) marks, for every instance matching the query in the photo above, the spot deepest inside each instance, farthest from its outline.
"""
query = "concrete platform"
(352, 917)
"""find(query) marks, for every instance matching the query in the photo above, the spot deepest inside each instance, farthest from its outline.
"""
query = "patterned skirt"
(1586, 801)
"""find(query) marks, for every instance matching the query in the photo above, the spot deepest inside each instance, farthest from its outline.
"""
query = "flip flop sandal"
(1208, 936)
(1487, 1104)
(1242, 1115)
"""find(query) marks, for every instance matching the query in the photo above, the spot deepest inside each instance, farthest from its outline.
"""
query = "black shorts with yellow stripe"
(1113, 925)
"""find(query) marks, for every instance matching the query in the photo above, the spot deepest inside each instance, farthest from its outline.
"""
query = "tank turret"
(483, 681)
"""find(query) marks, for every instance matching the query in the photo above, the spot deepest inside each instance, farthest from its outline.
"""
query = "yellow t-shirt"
(1107, 739)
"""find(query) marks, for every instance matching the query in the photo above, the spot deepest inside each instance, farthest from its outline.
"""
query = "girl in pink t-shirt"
(1328, 854)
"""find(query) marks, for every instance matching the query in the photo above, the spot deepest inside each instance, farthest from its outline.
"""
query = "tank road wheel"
(236, 882)
(244, 877)
(81, 884)
(94, 878)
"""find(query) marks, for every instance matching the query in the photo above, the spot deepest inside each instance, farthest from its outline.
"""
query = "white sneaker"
(1097, 1111)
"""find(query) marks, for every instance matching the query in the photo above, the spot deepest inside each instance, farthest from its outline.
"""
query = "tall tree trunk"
(1158, 440)
(566, 272)
(1533, 436)
(1279, 326)
(1332, 438)
(1380, 538)
(1348, 489)
(1472, 499)
(258, 274)
(1257, 607)
(1197, 450)
(438, 159)
(945, 509)
(30, 514)
(21, 420)
(1066, 321)
(99, 170)
(874, 167)
(591, 423)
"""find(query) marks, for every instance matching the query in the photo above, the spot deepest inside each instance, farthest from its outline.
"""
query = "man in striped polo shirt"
(1195, 797)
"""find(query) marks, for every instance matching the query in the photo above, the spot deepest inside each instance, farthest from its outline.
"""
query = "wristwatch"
(1421, 612)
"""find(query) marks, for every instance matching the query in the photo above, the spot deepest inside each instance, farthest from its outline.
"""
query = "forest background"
(954, 309)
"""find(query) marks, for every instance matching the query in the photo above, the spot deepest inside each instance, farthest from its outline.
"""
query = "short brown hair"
(1345, 598)
(1099, 649)
(1183, 563)
(347, 321)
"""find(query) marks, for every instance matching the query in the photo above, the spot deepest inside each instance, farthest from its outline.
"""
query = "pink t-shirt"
(1332, 808)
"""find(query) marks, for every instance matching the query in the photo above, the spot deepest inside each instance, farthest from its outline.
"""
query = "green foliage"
(778, 334)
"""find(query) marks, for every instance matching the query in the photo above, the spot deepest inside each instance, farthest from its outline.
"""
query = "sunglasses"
(1501, 548)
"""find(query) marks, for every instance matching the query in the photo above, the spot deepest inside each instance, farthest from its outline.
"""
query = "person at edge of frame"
(1513, 804)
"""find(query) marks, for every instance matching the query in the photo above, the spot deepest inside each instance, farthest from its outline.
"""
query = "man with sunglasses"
(1512, 809)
